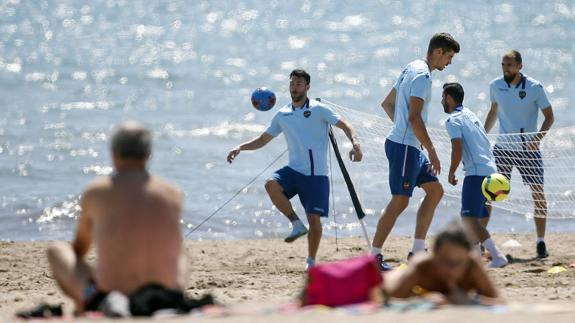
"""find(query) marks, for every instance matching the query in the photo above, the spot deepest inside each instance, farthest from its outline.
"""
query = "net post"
(352, 193)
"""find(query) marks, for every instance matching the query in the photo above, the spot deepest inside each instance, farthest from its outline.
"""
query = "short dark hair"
(444, 41)
(132, 140)
(454, 90)
(514, 55)
(301, 73)
(455, 234)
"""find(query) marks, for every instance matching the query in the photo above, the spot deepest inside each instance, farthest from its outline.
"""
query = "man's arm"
(415, 109)
(400, 283)
(456, 152)
(486, 291)
(83, 239)
(547, 123)
(491, 117)
(253, 144)
(388, 104)
(355, 154)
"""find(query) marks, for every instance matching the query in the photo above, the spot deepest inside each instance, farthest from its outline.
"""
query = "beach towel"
(342, 282)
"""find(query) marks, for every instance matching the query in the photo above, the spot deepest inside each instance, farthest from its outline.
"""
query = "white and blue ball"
(263, 99)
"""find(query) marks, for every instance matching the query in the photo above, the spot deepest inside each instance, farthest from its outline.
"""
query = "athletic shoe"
(542, 250)
(498, 262)
(381, 264)
(410, 254)
(296, 232)
(43, 310)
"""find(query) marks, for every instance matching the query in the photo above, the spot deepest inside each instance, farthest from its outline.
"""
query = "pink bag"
(342, 282)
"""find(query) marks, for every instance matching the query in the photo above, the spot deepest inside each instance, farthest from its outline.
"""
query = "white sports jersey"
(477, 156)
(517, 108)
(306, 133)
(415, 80)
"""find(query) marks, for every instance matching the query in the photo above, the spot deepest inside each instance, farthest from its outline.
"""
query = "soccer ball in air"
(263, 99)
(495, 187)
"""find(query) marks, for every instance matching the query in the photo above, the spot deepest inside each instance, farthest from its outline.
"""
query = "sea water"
(71, 70)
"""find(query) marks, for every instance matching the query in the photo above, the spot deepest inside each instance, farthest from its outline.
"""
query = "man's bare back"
(136, 228)
(133, 219)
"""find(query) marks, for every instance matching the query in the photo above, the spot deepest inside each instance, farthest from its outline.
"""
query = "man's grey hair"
(132, 140)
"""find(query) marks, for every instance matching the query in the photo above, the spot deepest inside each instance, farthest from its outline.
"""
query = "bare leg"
(478, 233)
(477, 230)
(540, 205)
(485, 221)
(387, 220)
(314, 235)
(71, 274)
(433, 194)
(281, 202)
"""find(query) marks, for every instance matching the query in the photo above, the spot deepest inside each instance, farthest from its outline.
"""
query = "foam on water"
(70, 70)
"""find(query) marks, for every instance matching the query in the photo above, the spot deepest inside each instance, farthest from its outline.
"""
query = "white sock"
(418, 245)
(490, 245)
(310, 260)
(540, 239)
(375, 251)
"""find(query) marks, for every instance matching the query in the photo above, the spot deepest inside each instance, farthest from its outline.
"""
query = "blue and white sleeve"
(330, 116)
(492, 92)
(274, 128)
(453, 128)
(542, 101)
(421, 86)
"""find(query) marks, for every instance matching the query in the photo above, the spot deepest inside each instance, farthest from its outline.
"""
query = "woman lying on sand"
(451, 274)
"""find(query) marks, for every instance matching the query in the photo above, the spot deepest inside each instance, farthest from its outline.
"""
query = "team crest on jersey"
(522, 94)
(307, 113)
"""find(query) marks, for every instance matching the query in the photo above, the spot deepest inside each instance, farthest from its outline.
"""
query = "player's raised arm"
(355, 154)
(254, 144)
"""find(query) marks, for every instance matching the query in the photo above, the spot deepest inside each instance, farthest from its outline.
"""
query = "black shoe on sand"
(381, 264)
(42, 311)
(542, 250)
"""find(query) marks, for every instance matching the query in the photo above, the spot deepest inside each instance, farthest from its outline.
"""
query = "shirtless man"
(451, 274)
(133, 219)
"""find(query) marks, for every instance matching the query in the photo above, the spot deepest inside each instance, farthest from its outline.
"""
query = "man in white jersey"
(516, 100)
(305, 125)
(406, 104)
(469, 142)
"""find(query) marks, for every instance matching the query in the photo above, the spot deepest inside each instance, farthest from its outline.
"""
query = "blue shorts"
(408, 167)
(529, 163)
(473, 202)
(313, 191)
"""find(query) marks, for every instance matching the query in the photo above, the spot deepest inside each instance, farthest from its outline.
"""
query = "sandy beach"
(255, 276)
